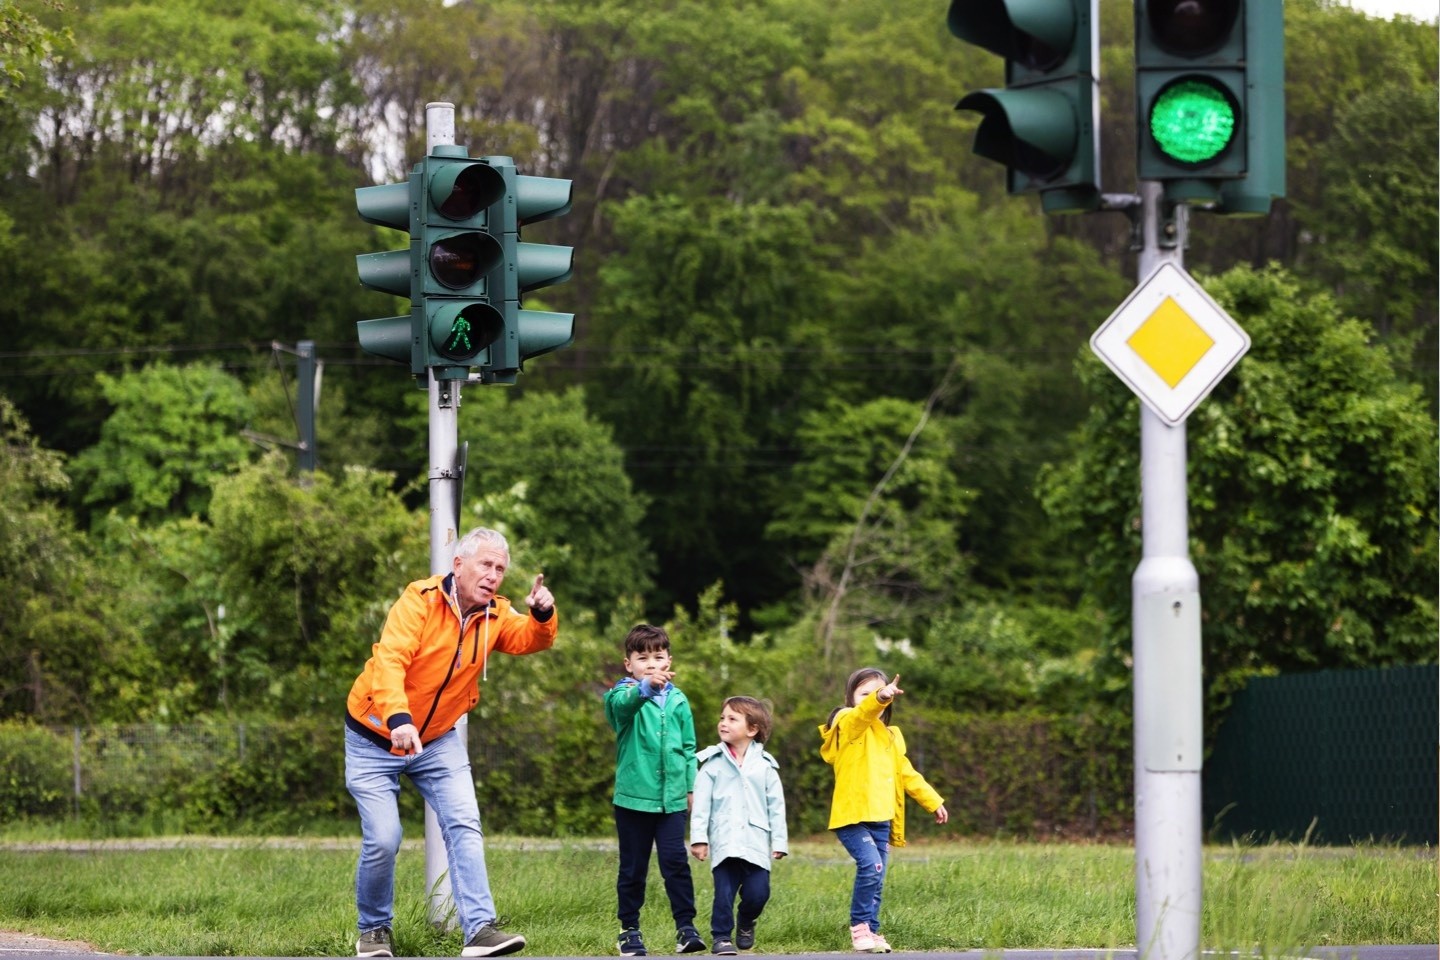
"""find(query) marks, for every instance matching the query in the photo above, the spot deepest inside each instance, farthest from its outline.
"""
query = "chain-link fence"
(1336, 756)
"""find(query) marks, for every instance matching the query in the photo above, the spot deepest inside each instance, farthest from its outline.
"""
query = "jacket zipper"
(459, 651)
(662, 756)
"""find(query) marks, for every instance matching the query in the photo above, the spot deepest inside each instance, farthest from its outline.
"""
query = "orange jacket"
(425, 668)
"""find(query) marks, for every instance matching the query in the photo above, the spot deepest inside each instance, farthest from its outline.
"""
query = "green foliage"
(1311, 494)
(36, 781)
(312, 566)
(173, 433)
(24, 42)
(291, 775)
(701, 313)
(990, 655)
(1379, 249)
(551, 478)
(788, 258)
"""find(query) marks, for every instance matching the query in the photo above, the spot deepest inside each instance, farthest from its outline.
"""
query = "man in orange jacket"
(420, 680)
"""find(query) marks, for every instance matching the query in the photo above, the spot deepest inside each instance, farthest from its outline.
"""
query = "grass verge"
(294, 898)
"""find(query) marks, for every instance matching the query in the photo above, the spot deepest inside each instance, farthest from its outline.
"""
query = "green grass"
(294, 897)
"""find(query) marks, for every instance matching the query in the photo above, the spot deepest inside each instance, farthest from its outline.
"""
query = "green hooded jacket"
(654, 748)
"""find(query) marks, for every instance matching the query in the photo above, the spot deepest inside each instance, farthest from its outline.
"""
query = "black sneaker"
(630, 943)
(745, 939)
(374, 943)
(491, 941)
(687, 940)
(724, 948)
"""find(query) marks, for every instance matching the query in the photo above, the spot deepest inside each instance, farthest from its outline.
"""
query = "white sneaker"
(881, 944)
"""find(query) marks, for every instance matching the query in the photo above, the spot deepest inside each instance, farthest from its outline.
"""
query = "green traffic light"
(1192, 121)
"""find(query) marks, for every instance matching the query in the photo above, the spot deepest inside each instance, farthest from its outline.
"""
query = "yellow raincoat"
(872, 773)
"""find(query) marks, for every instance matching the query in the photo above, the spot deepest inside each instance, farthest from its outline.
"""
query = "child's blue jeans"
(869, 845)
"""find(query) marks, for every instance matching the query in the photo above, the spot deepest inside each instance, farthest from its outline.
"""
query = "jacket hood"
(717, 750)
(830, 738)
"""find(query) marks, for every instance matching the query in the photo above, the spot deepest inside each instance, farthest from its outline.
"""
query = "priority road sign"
(1170, 342)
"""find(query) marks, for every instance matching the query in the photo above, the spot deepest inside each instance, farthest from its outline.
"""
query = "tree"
(1376, 225)
(173, 433)
(1312, 496)
(711, 315)
(551, 477)
(24, 43)
(307, 571)
(874, 508)
(64, 654)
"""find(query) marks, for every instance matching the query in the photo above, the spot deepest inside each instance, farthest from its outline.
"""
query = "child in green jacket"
(654, 777)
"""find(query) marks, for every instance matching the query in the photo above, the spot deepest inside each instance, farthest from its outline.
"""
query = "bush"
(38, 777)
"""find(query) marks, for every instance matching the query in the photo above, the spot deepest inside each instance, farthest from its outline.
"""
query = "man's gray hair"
(482, 537)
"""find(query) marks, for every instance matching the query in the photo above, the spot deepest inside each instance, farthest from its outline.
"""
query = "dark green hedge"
(547, 772)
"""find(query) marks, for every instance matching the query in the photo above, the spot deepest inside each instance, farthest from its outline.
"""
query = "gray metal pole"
(1165, 612)
(305, 351)
(444, 443)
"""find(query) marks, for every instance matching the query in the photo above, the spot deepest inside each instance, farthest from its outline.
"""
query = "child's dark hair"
(644, 638)
(857, 678)
(755, 712)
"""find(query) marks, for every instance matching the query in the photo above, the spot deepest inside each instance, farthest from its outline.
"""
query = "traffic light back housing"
(1043, 126)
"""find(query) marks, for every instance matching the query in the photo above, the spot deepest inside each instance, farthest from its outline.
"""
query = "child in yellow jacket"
(872, 778)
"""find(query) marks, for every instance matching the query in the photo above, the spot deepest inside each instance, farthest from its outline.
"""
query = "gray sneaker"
(491, 941)
(374, 943)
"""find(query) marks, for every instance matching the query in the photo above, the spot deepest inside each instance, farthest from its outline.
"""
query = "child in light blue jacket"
(738, 820)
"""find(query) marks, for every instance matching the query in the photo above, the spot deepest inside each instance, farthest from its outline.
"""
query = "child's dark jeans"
(665, 832)
(752, 882)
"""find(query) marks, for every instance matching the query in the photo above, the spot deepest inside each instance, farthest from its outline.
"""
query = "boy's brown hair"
(644, 638)
(755, 712)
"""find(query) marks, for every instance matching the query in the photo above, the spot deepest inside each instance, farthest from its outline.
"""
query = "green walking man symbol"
(460, 337)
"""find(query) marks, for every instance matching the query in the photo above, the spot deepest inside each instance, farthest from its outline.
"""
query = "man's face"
(645, 663)
(478, 576)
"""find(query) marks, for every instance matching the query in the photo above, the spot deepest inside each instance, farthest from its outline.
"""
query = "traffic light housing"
(1210, 101)
(462, 275)
(392, 205)
(1044, 125)
(466, 267)
(530, 266)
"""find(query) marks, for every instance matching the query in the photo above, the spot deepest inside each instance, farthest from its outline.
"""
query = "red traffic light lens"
(476, 187)
(1191, 28)
(463, 259)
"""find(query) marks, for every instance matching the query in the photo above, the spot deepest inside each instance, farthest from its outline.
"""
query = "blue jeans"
(442, 775)
(869, 845)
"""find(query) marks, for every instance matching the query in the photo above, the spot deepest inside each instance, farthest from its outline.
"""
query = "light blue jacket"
(739, 807)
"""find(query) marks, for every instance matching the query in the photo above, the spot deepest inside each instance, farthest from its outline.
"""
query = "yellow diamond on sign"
(1170, 342)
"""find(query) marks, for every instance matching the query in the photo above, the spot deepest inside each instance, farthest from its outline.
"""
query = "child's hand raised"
(658, 677)
(891, 690)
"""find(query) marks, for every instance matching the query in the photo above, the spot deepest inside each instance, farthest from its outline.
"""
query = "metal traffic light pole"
(444, 410)
(1165, 649)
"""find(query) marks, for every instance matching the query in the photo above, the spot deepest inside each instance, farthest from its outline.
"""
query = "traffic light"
(530, 266)
(1210, 101)
(466, 269)
(462, 276)
(1044, 125)
(394, 271)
